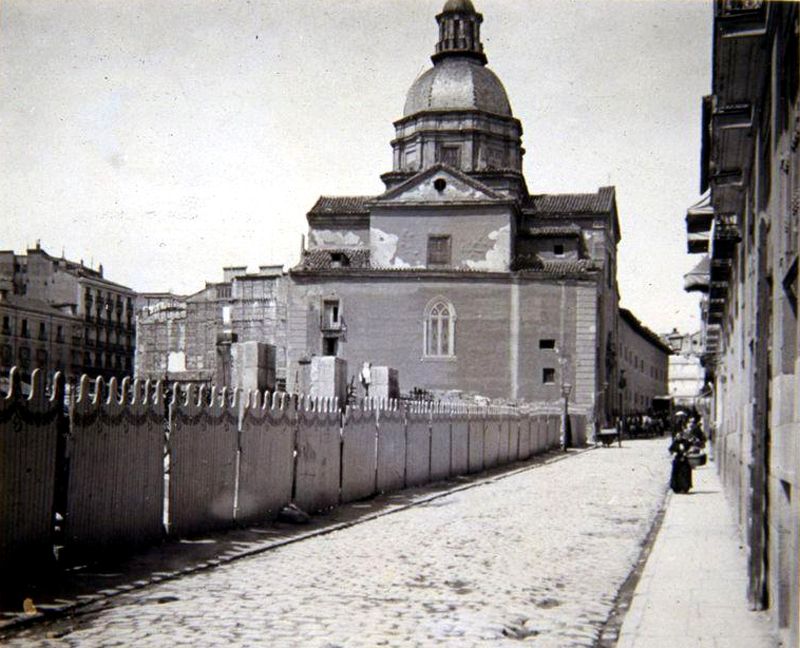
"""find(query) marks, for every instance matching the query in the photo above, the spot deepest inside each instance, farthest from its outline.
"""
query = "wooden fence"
(122, 465)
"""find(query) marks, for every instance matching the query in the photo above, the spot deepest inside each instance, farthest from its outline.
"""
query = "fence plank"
(524, 437)
(317, 471)
(503, 445)
(115, 494)
(459, 445)
(391, 451)
(440, 446)
(513, 437)
(418, 448)
(28, 442)
(359, 454)
(203, 444)
(554, 424)
(491, 441)
(266, 462)
(476, 439)
(538, 433)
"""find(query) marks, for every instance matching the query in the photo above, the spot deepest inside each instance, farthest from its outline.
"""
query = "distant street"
(541, 553)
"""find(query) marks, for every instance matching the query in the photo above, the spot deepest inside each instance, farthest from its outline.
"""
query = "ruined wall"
(255, 309)
(338, 237)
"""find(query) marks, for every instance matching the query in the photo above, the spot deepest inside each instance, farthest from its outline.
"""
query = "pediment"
(440, 184)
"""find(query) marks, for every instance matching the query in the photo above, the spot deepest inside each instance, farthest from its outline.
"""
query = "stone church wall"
(384, 320)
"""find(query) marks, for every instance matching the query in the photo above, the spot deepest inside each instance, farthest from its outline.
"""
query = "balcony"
(333, 326)
(739, 18)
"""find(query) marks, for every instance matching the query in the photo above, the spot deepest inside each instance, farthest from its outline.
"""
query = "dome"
(458, 83)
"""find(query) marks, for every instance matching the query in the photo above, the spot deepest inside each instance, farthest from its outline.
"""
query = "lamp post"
(566, 388)
(623, 383)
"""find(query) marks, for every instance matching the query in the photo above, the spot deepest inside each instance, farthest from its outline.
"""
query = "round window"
(439, 184)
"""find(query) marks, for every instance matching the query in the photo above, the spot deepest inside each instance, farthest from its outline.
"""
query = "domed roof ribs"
(459, 32)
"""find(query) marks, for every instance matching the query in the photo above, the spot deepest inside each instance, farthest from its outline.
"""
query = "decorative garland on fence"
(203, 416)
(124, 415)
(21, 413)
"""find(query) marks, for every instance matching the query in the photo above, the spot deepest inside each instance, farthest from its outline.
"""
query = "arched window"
(440, 325)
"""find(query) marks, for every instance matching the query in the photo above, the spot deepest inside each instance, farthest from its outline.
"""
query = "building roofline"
(644, 332)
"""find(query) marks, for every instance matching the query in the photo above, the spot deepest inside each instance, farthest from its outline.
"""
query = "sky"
(166, 139)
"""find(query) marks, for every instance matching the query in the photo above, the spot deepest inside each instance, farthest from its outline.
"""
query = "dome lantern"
(459, 32)
(457, 112)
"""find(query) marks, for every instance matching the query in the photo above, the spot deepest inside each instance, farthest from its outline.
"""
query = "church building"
(456, 275)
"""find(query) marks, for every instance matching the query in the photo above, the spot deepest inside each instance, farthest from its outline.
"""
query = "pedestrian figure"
(681, 478)
(366, 377)
(697, 436)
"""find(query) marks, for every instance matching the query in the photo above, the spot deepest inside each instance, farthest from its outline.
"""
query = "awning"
(698, 278)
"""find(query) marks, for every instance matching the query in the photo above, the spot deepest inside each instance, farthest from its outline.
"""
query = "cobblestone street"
(539, 553)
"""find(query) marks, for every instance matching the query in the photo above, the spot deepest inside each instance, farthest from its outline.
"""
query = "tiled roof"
(341, 205)
(323, 259)
(566, 230)
(553, 266)
(358, 259)
(593, 203)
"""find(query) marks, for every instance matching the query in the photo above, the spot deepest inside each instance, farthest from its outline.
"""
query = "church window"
(439, 333)
(439, 184)
(438, 250)
(548, 376)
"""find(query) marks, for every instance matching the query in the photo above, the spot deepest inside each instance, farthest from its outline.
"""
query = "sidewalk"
(693, 588)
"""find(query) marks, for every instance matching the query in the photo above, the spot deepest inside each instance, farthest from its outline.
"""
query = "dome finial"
(459, 32)
(465, 6)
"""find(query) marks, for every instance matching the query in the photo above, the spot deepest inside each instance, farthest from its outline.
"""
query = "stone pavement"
(692, 591)
(535, 554)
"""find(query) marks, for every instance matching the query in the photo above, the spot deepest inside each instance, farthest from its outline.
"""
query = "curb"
(608, 635)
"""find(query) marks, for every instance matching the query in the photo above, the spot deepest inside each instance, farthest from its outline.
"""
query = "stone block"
(253, 366)
(385, 383)
(328, 378)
